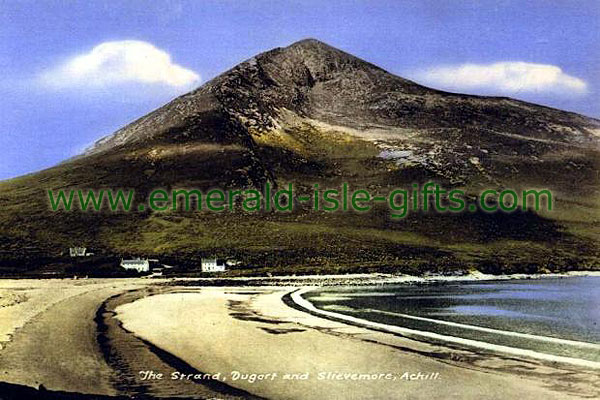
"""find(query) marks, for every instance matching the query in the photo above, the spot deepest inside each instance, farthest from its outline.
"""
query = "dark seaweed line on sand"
(105, 311)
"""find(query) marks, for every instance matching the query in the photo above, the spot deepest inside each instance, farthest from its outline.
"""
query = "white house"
(138, 264)
(78, 252)
(212, 265)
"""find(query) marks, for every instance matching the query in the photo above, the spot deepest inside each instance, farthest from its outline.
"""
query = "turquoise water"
(518, 313)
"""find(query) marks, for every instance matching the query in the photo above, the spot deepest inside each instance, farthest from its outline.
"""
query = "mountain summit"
(310, 113)
(315, 80)
(309, 77)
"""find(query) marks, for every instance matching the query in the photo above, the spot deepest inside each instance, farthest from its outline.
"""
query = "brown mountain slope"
(307, 114)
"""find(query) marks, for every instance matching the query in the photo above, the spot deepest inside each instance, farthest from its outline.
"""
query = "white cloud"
(509, 77)
(117, 63)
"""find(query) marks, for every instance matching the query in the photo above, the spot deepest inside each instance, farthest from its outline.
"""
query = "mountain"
(312, 114)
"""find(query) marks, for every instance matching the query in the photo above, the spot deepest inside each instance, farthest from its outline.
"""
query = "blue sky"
(72, 72)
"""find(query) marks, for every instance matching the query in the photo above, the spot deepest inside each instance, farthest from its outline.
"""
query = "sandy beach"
(50, 338)
(114, 337)
(252, 331)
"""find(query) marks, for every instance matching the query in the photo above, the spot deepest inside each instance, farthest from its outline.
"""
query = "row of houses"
(143, 265)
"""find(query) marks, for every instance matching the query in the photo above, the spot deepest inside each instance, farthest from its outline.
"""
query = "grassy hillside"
(310, 114)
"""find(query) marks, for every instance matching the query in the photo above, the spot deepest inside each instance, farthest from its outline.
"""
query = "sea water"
(557, 316)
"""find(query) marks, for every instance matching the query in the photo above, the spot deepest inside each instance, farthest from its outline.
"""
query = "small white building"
(78, 252)
(212, 265)
(140, 265)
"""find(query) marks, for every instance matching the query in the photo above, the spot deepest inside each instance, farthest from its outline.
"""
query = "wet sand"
(62, 335)
(221, 330)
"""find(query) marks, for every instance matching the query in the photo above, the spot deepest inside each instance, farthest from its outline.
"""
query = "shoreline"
(300, 302)
(369, 279)
(179, 325)
(276, 330)
(353, 279)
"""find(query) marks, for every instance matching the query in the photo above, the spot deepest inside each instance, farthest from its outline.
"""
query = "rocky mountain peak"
(315, 80)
